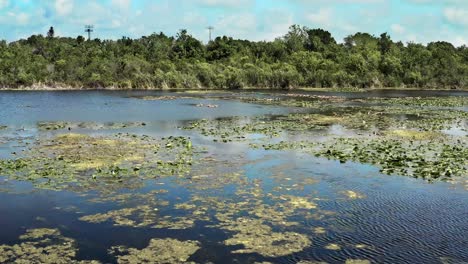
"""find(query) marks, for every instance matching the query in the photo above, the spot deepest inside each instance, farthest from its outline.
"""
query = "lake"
(221, 177)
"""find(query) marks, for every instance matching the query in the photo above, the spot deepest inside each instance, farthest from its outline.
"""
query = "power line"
(89, 29)
(210, 29)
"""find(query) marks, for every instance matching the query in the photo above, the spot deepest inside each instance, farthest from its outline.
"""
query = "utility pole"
(89, 29)
(210, 29)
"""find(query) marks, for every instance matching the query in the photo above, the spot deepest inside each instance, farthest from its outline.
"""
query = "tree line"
(303, 57)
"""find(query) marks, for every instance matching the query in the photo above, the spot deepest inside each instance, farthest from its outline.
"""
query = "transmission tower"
(210, 30)
(89, 29)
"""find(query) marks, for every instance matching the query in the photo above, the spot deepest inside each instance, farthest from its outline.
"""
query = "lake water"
(344, 210)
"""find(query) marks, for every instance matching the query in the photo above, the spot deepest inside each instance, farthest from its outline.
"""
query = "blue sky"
(405, 20)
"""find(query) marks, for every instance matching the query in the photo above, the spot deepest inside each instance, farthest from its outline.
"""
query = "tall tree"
(51, 32)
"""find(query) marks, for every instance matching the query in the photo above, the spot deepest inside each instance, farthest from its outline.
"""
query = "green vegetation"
(401, 136)
(302, 58)
(257, 237)
(44, 126)
(82, 162)
(430, 159)
(158, 251)
(42, 245)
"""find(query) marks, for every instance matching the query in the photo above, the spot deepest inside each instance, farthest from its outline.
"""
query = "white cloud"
(323, 18)
(122, 4)
(63, 7)
(239, 26)
(22, 18)
(397, 28)
(3, 3)
(226, 3)
(327, 19)
(275, 23)
(457, 16)
(419, 20)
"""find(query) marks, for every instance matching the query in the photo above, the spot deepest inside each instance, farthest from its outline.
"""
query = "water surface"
(395, 219)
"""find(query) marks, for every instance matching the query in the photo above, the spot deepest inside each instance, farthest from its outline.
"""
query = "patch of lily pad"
(451, 101)
(78, 161)
(400, 121)
(438, 159)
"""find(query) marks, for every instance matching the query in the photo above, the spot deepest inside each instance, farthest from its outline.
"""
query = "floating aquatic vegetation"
(441, 159)
(210, 178)
(159, 251)
(333, 246)
(185, 206)
(141, 209)
(357, 261)
(415, 135)
(361, 246)
(264, 215)
(207, 105)
(231, 129)
(298, 202)
(319, 230)
(42, 245)
(77, 161)
(287, 181)
(59, 125)
(288, 102)
(251, 220)
(276, 215)
(257, 237)
(374, 120)
(310, 262)
(144, 215)
(52, 125)
(161, 98)
(177, 223)
(136, 198)
(2, 127)
(453, 101)
(429, 160)
(353, 195)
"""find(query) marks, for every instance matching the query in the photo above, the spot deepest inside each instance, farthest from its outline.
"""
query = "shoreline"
(300, 89)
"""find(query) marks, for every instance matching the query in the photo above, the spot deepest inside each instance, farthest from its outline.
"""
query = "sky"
(420, 21)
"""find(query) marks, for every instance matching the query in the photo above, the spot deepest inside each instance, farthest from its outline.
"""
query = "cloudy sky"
(406, 20)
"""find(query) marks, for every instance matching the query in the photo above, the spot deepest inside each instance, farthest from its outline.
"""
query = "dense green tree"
(51, 32)
(186, 46)
(296, 38)
(302, 58)
(319, 39)
(385, 43)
